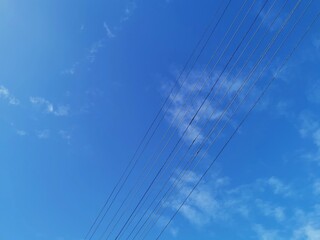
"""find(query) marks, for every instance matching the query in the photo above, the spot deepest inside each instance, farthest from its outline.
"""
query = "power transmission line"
(154, 121)
(209, 119)
(219, 133)
(112, 220)
(238, 46)
(243, 120)
(126, 178)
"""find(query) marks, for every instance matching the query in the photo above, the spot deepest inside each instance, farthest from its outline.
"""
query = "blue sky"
(81, 81)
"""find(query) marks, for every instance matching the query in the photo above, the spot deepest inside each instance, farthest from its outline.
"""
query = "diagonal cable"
(243, 120)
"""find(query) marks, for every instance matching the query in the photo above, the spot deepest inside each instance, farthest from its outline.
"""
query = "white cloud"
(216, 201)
(268, 210)
(94, 49)
(48, 107)
(43, 134)
(313, 92)
(308, 125)
(71, 70)
(5, 94)
(279, 187)
(309, 226)
(316, 42)
(183, 104)
(128, 11)
(200, 208)
(316, 187)
(310, 232)
(41, 101)
(266, 234)
(110, 34)
(282, 108)
(21, 133)
(65, 135)
(62, 111)
(310, 128)
(162, 221)
(220, 202)
(316, 137)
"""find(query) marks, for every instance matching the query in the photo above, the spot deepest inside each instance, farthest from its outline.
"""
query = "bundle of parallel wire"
(202, 112)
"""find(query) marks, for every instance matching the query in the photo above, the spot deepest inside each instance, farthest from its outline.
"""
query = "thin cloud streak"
(110, 34)
(48, 107)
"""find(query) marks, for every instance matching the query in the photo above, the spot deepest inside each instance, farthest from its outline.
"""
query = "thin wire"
(209, 119)
(225, 110)
(260, 74)
(146, 165)
(164, 165)
(112, 220)
(216, 136)
(241, 123)
(156, 117)
(199, 91)
(192, 118)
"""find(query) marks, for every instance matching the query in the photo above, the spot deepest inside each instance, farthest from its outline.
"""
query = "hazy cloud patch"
(49, 108)
(110, 34)
(6, 95)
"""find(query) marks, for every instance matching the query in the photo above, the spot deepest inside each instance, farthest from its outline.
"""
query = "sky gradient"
(80, 83)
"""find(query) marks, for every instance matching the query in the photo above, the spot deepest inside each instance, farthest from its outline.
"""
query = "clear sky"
(80, 82)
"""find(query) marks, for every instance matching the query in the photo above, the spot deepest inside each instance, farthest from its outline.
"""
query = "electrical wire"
(209, 119)
(154, 121)
(247, 32)
(112, 220)
(242, 121)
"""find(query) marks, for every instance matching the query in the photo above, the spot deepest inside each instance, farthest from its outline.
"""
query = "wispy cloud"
(316, 187)
(187, 98)
(313, 92)
(316, 42)
(110, 34)
(65, 135)
(268, 16)
(310, 128)
(6, 95)
(49, 108)
(21, 133)
(307, 124)
(71, 70)
(279, 187)
(269, 210)
(94, 49)
(255, 203)
(128, 11)
(308, 232)
(309, 225)
(43, 134)
(266, 234)
(217, 201)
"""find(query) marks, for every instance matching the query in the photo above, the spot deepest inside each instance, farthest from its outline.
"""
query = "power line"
(145, 165)
(201, 87)
(209, 119)
(247, 32)
(155, 119)
(112, 220)
(243, 120)
(148, 131)
(220, 117)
